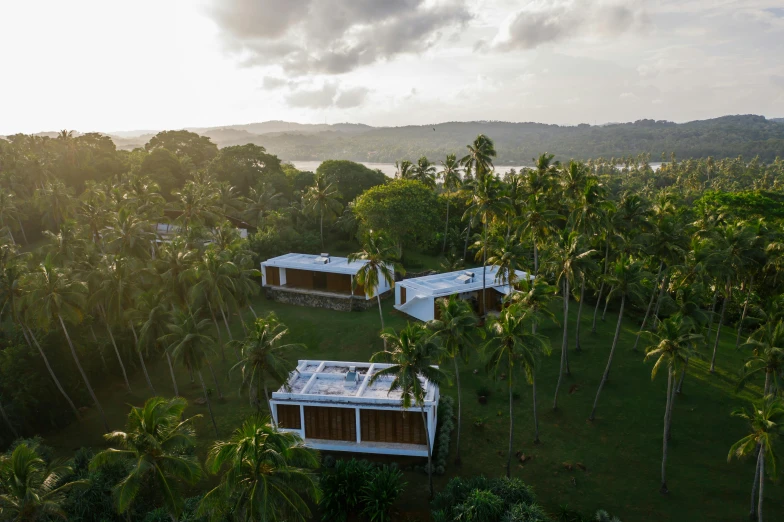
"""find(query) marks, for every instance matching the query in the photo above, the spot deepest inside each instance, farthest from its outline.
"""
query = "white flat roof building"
(417, 296)
(333, 407)
(310, 273)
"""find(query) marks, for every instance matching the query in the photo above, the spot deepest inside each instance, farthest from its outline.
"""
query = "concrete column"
(282, 272)
(274, 412)
(263, 275)
(302, 419)
(359, 429)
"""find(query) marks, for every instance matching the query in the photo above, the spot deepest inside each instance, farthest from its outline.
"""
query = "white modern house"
(333, 407)
(316, 274)
(417, 296)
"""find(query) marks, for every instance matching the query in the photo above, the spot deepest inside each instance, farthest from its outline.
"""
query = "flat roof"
(339, 265)
(468, 280)
(327, 382)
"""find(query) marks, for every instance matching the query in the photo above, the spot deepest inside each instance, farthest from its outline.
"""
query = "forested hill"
(516, 143)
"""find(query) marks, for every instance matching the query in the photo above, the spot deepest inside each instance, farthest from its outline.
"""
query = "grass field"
(621, 449)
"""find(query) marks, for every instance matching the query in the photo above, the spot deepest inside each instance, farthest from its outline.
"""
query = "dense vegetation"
(93, 290)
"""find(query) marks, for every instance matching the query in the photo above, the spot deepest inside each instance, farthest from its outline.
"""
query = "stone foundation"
(315, 299)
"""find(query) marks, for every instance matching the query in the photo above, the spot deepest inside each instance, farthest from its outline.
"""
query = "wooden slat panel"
(288, 417)
(402, 295)
(273, 275)
(340, 283)
(299, 278)
(330, 423)
(392, 426)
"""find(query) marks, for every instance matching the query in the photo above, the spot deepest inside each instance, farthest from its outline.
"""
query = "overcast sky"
(110, 65)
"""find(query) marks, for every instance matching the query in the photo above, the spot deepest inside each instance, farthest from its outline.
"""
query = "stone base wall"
(319, 300)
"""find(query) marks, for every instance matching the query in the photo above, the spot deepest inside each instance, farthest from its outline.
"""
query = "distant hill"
(516, 143)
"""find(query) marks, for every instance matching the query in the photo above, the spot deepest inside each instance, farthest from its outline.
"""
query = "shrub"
(446, 408)
(480, 506)
(526, 513)
(483, 391)
(380, 493)
(513, 491)
(328, 461)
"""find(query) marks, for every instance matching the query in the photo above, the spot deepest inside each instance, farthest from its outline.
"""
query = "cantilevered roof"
(439, 285)
(335, 265)
(333, 382)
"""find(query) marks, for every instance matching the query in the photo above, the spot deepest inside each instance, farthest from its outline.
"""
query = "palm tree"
(450, 177)
(269, 475)
(158, 445)
(56, 296)
(510, 348)
(567, 258)
(154, 312)
(425, 172)
(380, 257)
(479, 159)
(766, 425)
(262, 201)
(674, 348)
(323, 198)
(626, 280)
(767, 346)
(455, 326)
(411, 354)
(129, 235)
(403, 169)
(507, 256)
(537, 221)
(264, 358)
(486, 202)
(190, 345)
(31, 488)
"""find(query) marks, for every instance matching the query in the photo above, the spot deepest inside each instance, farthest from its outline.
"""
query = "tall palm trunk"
(511, 428)
(141, 358)
(601, 288)
(536, 256)
(754, 486)
(743, 315)
(536, 419)
(718, 327)
(8, 421)
(24, 236)
(712, 313)
(380, 313)
(579, 315)
(116, 350)
(100, 351)
(484, 268)
(596, 308)
(458, 461)
(84, 375)
(659, 299)
(173, 378)
(429, 452)
(468, 234)
(51, 373)
(228, 331)
(610, 359)
(321, 226)
(650, 304)
(606, 304)
(269, 405)
(761, 481)
(215, 379)
(446, 227)
(663, 489)
(683, 376)
(217, 328)
(207, 400)
(563, 343)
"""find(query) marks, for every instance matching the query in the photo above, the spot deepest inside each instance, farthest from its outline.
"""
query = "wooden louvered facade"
(392, 426)
(289, 417)
(330, 423)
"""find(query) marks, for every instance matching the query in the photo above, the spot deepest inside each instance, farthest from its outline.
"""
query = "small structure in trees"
(333, 406)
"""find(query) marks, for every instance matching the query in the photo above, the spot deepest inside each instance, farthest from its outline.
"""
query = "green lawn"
(621, 449)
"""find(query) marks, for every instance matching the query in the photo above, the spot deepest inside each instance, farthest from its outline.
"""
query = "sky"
(98, 65)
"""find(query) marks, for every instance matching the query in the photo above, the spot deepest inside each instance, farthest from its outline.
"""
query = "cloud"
(272, 82)
(540, 24)
(330, 94)
(332, 36)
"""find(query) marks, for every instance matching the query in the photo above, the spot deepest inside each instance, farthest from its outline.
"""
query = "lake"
(389, 168)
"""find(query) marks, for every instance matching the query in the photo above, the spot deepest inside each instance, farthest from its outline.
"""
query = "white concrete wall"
(422, 309)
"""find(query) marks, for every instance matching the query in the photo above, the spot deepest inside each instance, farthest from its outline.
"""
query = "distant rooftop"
(334, 382)
(469, 280)
(318, 263)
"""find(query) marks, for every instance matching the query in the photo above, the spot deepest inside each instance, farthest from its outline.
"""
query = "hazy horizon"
(213, 63)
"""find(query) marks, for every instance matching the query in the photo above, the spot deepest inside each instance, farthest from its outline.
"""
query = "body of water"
(389, 168)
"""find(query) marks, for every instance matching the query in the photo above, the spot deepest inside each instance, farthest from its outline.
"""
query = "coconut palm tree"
(262, 201)
(538, 222)
(323, 198)
(450, 179)
(479, 160)
(190, 345)
(411, 354)
(265, 358)
(404, 169)
(767, 356)
(380, 257)
(673, 349)
(129, 235)
(56, 296)
(154, 313)
(625, 278)
(425, 172)
(158, 446)
(766, 425)
(455, 327)
(510, 348)
(507, 256)
(269, 475)
(568, 257)
(31, 488)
